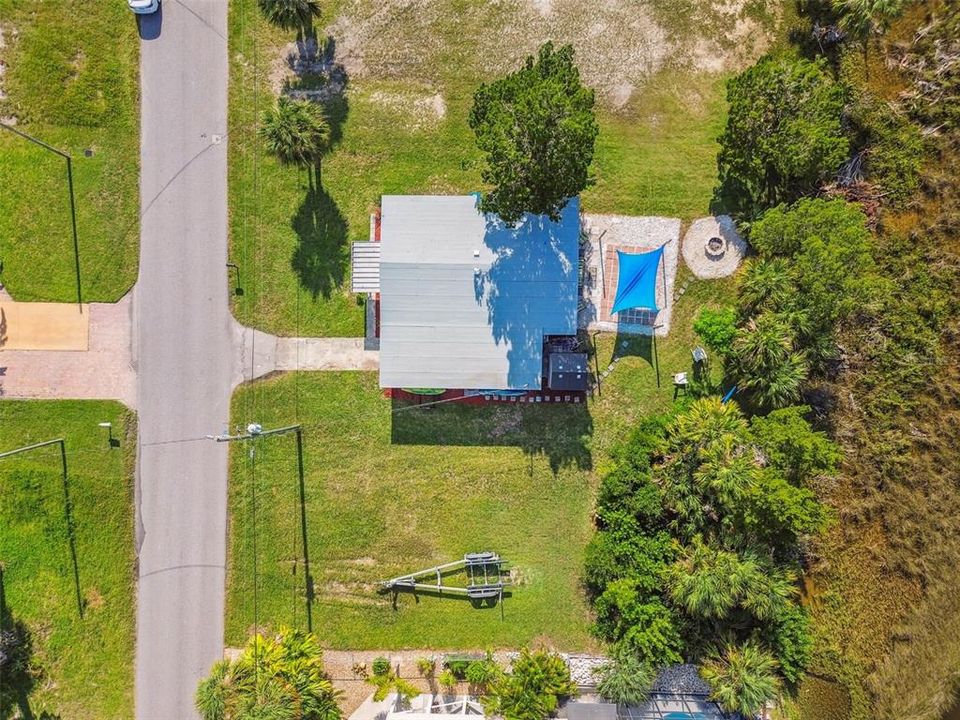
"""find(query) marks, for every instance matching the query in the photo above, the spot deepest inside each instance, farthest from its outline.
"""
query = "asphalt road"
(184, 354)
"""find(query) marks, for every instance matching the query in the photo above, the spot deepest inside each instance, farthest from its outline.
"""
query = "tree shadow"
(322, 253)
(558, 432)
(18, 676)
(318, 76)
(531, 288)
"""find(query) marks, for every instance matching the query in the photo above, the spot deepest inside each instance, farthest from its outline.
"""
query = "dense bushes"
(700, 524)
(814, 270)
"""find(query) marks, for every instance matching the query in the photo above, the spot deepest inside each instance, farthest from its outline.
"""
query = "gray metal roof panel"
(450, 319)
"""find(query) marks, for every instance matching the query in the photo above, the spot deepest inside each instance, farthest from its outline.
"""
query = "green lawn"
(389, 491)
(82, 668)
(401, 128)
(71, 81)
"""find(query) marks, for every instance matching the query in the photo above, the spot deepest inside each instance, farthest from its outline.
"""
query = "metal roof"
(466, 300)
(365, 264)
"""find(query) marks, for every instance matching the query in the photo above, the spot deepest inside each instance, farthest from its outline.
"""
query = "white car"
(144, 7)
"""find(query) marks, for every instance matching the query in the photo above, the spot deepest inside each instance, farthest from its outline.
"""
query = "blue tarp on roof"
(637, 284)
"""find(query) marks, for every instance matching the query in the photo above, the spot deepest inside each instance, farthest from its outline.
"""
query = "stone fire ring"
(712, 247)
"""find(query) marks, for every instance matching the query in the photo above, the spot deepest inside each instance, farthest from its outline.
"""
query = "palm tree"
(766, 362)
(766, 285)
(297, 133)
(742, 679)
(704, 423)
(861, 18)
(275, 678)
(291, 14)
(707, 582)
(626, 680)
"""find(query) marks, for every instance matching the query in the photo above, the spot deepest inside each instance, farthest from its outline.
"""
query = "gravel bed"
(680, 679)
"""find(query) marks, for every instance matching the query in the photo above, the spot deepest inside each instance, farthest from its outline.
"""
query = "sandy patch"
(619, 43)
(414, 110)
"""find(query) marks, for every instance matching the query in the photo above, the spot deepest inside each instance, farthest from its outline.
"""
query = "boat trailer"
(484, 572)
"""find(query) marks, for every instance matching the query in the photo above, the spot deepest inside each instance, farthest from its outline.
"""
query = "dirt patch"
(93, 599)
(619, 43)
(416, 111)
(363, 561)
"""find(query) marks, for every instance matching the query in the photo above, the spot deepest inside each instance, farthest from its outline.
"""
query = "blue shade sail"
(637, 283)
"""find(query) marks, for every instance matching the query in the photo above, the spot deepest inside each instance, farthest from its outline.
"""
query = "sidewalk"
(263, 354)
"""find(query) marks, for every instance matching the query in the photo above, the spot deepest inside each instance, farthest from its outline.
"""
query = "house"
(465, 302)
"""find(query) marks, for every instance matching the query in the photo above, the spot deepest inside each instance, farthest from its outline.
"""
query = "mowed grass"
(655, 156)
(71, 80)
(391, 489)
(83, 668)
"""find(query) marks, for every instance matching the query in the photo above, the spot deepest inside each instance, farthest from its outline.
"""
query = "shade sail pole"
(662, 260)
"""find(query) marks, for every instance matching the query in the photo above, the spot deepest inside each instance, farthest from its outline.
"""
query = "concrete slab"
(608, 233)
(325, 354)
(44, 326)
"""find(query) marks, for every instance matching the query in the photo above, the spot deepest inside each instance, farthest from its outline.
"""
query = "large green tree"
(276, 677)
(783, 136)
(537, 128)
(297, 133)
(815, 270)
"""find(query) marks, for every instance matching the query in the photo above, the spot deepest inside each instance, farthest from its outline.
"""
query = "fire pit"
(715, 247)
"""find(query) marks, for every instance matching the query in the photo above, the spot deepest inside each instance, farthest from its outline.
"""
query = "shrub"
(381, 666)
(781, 514)
(717, 328)
(792, 446)
(533, 689)
(272, 676)
(480, 673)
(640, 622)
(457, 666)
(426, 666)
(388, 682)
(791, 641)
(613, 556)
(894, 149)
(626, 680)
(830, 246)
(448, 681)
